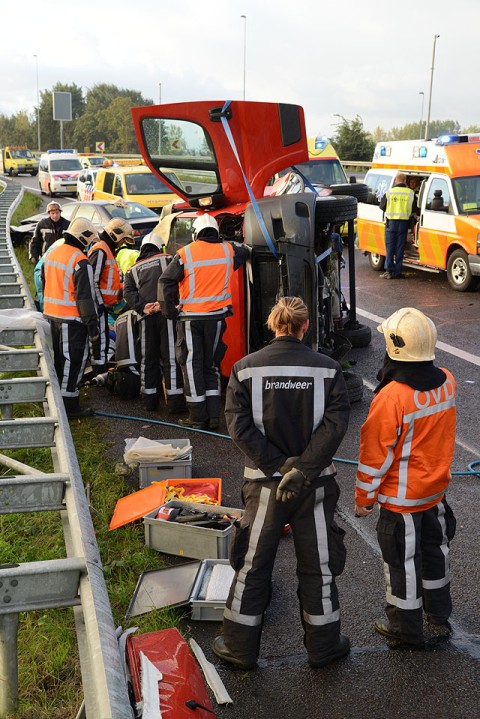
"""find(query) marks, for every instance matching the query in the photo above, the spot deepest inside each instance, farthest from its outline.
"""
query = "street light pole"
(38, 107)
(159, 93)
(421, 115)
(244, 51)
(427, 123)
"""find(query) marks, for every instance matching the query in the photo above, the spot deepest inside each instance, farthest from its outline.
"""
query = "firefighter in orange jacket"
(406, 449)
(107, 276)
(199, 278)
(70, 305)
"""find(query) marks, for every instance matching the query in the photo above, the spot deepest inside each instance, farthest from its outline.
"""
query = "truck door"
(436, 226)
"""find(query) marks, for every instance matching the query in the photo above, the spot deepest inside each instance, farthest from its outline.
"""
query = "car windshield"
(467, 194)
(129, 211)
(65, 165)
(323, 172)
(183, 152)
(145, 183)
(96, 161)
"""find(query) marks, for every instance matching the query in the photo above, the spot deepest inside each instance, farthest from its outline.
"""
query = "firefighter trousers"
(157, 345)
(200, 350)
(320, 554)
(415, 551)
(70, 352)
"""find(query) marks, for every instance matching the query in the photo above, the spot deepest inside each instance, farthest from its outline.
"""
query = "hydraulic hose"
(470, 471)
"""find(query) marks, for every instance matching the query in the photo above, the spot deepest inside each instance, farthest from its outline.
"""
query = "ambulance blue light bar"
(321, 142)
(50, 152)
(455, 139)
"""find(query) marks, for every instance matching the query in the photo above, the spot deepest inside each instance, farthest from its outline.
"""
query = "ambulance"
(17, 160)
(445, 176)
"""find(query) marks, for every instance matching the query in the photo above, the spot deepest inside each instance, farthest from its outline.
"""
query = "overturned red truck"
(219, 156)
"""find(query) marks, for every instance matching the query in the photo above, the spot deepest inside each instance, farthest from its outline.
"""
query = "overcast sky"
(347, 57)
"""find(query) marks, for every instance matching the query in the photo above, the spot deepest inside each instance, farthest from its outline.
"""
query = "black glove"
(291, 485)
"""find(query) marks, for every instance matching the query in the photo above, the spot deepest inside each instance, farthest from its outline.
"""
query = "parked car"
(86, 184)
(137, 184)
(142, 219)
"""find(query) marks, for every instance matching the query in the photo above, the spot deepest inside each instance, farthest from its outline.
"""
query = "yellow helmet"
(83, 231)
(410, 336)
(120, 231)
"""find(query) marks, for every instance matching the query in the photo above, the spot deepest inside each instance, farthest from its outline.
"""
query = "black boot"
(73, 409)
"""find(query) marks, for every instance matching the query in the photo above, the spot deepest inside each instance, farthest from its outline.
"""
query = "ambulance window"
(377, 186)
(438, 197)
(467, 194)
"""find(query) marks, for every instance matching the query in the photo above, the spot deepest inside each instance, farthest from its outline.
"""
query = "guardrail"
(75, 580)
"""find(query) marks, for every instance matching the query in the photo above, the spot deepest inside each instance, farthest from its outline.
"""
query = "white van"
(58, 172)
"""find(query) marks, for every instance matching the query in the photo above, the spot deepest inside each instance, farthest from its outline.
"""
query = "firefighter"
(199, 277)
(47, 231)
(157, 332)
(397, 204)
(107, 275)
(287, 410)
(406, 449)
(70, 304)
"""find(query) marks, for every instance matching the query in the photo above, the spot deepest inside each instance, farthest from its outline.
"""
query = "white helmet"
(53, 206)
(410, 336)
(83, 231)
(120, 231)
(204, 222)
(153, 239)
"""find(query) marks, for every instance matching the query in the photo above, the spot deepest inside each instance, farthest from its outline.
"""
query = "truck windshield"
(467, 194)
(65, 165)
(145, 183)
(22, 154)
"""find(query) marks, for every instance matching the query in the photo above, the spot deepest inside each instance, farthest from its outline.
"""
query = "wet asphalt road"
(374, 681)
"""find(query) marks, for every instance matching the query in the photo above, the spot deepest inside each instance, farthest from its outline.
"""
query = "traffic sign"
(100, 146)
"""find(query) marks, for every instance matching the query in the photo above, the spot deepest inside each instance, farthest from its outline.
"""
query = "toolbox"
(204, 585)
(184, 540)
(157, 471)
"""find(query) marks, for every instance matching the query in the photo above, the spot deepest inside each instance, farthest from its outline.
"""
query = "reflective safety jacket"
(106, 273)
(406, 447)
(68, 286)
(208, 267)
(399, 203)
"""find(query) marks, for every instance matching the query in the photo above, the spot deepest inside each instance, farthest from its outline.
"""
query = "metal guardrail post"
(75, 581)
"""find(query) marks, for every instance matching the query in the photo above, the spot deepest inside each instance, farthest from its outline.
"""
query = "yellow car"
(91, 160)
(134, 184)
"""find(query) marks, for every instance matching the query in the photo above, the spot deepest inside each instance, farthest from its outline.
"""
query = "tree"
(351, 141)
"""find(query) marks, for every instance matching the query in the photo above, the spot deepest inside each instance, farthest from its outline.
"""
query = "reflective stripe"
(192, 395)
(402, 502)
(255, 473)
(234, 613)
(428, 411)
(319, 620)
(324, 558)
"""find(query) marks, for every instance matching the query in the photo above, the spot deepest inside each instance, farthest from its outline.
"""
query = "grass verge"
(50, 685)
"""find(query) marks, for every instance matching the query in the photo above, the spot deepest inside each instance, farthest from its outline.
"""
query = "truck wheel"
(34, 173)
(357, 189)
(458, 272)
(361, 336)
(335, 209)
(377, 262)
(354, 386)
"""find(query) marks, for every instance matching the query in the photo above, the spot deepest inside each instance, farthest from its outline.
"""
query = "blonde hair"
(288, 316)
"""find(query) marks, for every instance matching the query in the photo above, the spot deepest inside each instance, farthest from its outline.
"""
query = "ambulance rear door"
(436, 228)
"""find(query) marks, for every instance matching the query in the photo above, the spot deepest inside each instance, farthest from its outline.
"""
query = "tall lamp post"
(421, 114)
(159, 93)
(38, 107)
(244, 17)
(427, 123)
